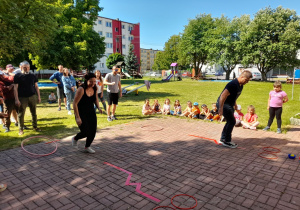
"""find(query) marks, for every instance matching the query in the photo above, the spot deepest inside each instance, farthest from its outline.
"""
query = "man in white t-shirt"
(113, 82)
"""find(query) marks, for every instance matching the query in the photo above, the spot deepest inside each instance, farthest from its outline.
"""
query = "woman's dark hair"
(86, 78)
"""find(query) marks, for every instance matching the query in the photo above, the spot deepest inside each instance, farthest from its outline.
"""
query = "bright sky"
(160, 19)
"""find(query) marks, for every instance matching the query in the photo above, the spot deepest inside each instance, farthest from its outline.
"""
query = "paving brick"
(218, 177)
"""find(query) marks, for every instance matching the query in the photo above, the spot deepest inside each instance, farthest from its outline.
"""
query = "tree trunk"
(263, 75)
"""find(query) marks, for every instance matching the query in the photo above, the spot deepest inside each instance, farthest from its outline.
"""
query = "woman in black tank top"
(85, 115)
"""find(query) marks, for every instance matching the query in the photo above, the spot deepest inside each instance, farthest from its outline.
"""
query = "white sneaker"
(69, 113)
(1, 122)
(89, 150)
(74, 142)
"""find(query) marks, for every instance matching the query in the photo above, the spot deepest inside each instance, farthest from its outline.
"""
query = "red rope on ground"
(269, 151)
(38, 155)
(201, 137)
(260, 155)
(184, 195)
(158, 129)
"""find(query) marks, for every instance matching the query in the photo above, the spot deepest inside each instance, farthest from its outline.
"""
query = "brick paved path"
(166, 160)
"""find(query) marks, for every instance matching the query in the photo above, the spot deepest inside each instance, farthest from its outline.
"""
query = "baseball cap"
(9, 66)
(239, 107)
(196, 104)
(203, 105)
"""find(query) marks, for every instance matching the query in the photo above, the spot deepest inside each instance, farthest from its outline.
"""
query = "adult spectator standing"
(4, 81)
(69, 88)
(7, 86)
(26, 92)
(10, 71)
(113, 82)
(60, 87)
(226, 104)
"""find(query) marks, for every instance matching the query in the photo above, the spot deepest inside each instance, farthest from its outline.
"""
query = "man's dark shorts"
(112, 98)
(60, 93)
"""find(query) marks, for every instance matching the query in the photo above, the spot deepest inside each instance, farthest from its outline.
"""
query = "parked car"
(154, 74)
(219, 74)
(256, 76)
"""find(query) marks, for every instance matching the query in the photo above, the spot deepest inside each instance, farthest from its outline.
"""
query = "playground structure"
(146, 83)
(171, 73)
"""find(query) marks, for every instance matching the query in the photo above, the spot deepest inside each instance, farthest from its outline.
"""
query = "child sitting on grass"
(147, 110)
(188, 109)
(177, 108)
(166, 107)
(52, 98)
(250, 120)
(214, 114)
(205, 112)
(238, 115)
(156, 107)
(195, 111)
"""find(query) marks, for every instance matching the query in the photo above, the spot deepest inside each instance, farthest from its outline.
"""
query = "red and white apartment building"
(118, 37)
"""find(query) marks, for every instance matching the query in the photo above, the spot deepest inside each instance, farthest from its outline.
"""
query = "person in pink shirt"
(276, 98)
(238, 115)
(250, 120)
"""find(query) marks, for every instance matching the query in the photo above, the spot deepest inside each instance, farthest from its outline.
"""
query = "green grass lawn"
(59, 124)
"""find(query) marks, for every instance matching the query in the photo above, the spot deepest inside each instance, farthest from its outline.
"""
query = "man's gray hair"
(24, 63)
(114, 67)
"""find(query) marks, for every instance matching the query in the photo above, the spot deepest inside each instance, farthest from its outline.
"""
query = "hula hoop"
(269, 151)
(39, 155)
(145, 126)
(260, 155)
(164, 207)
(184, 195)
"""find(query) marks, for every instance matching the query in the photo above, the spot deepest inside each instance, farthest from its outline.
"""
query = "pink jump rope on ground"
(40, 155)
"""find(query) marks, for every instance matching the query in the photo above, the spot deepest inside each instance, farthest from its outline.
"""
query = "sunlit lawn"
(59, 124)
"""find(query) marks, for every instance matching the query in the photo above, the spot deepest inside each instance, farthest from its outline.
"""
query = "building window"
(123, 26)
(99, 21)
(100, 33)
(102, 65)
(123, 46)
(117, 29)
(109, 45)
(130, 28)
(130, 38)
(108, 24)
(123, 37)
(108, 35)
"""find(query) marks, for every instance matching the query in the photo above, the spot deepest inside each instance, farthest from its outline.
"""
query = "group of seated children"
(249, 121)
(193, 111)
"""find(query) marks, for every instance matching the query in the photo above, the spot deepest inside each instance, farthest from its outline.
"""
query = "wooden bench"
(290, 81)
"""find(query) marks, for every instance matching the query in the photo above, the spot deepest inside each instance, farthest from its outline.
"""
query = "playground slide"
(127, 75)
(169, 77)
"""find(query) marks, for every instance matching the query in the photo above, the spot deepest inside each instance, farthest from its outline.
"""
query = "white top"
(99, 85)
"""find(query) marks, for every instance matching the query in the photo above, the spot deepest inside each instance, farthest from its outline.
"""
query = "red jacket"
(5, 81)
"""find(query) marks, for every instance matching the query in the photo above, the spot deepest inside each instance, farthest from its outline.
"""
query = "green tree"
(26, 26)
(113, 59)
(161, 61)
(272, 40)
(194, 44)
(225, 46)
(131, 60)
(76, 45)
